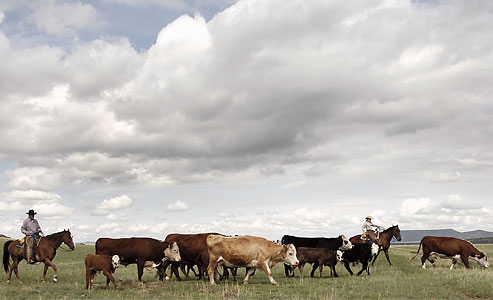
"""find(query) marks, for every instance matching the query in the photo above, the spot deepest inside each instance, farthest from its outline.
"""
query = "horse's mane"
(390, 228)
(55, 235)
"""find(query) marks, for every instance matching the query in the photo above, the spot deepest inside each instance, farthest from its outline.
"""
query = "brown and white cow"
(139, 250)
(101, 263)
(247, 251)
(450, 247)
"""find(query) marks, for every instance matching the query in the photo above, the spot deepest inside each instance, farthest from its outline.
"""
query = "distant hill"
(414, 236)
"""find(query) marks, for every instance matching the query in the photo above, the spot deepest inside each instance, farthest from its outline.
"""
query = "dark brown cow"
(193, 251)
(101, 263)
(450, 247)
(321, 256)
(139, 250)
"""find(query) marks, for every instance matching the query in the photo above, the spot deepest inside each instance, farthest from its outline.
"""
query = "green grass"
(404, 280)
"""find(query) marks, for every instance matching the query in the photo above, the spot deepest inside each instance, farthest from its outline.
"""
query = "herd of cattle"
(209, 251)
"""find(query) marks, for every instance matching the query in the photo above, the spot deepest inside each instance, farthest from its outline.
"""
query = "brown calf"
(320, 256)
(101, 263)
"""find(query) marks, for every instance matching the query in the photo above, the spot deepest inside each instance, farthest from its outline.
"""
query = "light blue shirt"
(30, 227)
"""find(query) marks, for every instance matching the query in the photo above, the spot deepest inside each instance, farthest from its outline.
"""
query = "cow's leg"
(288, 270)
(266, 268)
(465, 260)
(163, 266)
(375, 257)
(321, 267)
(315, 266)
(211, 269)
(333, 272)
(140, 268)
(174, 267)
(88, 277)
(453, 264)
(52, 265)
(386, 251)
(300, 267)
(109, 277)
(182, 268)
(161, 270)
(346, 264)
(248, 274)
(234, 272)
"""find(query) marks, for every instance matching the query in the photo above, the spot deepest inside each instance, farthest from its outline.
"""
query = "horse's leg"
(386, 251)
(13, 267)
(44, 273)
(52, 265)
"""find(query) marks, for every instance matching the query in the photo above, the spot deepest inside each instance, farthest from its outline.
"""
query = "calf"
(101, 263)
(320, 256)
(359, 253)
(450, 247)
(247, 251)
(339, 243)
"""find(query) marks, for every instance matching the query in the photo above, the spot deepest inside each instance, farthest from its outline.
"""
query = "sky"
(127, 118)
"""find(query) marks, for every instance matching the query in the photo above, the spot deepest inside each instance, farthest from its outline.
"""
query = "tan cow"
(247, 251)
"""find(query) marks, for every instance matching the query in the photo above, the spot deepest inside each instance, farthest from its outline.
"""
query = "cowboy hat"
(31, 212)
(369, 217)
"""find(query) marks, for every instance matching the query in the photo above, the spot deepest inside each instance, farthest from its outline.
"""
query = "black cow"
(339, 243)
(359, 253)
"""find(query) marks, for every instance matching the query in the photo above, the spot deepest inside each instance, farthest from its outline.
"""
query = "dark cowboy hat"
(31, 212)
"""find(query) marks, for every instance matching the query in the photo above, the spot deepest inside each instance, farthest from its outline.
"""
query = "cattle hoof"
(245, 282)
(55, 280)
(8, 281)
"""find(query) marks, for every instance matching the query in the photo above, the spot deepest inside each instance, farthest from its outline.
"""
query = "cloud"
(146, 229)
(115, 217)
(177, 206)
(294, 184)
(31, 196)
(115, 203)
(450, 212)
(62, 19)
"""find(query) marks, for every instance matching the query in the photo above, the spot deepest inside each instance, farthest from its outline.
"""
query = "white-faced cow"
(139, 250)
(450, 247)
(247, 251)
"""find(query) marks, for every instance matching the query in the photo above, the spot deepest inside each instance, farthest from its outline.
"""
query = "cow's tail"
(6, 256)
(417, 252)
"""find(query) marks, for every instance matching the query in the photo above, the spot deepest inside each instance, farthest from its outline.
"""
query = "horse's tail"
(417, 252)
(6, 255)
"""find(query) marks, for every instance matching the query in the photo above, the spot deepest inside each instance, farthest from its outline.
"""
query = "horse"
(383, 241)
(44, 252)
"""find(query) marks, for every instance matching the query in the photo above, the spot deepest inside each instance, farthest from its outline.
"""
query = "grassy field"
(404, 280)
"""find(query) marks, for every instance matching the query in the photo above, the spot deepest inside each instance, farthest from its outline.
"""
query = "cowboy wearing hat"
(31, 229)
(369, 230)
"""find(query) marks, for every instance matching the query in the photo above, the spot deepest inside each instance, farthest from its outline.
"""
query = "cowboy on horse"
(31, 229)
(370, 230)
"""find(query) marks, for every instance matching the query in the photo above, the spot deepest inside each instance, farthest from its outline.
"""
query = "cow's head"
(172, 252)
(346, 244)
(290, 255)
(115, 261)
(481, 259)
(339, 255)
(374, 249)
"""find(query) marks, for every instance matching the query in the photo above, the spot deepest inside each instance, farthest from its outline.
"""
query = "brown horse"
(45, 252)
(383, 241)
